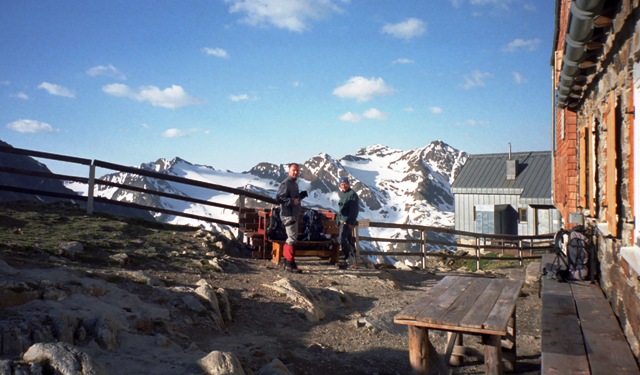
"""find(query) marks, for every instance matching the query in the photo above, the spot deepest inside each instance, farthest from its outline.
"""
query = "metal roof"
(487, 174)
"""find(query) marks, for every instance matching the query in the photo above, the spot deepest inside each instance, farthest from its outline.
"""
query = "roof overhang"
(582, 50)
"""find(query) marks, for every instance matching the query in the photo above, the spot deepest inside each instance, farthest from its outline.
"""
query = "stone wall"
(615, 73)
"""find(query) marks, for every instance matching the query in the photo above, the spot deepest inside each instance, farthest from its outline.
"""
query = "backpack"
(275, 230)
(573, 249)
(313, 226)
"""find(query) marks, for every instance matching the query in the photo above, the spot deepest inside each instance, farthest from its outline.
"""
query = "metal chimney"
(512, 167)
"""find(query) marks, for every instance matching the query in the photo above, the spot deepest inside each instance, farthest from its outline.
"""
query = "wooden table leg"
(455, 349)
(423, 357)
(492, 354)
(419, 349)
(509, 353)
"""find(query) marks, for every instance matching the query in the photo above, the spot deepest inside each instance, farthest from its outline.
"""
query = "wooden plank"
(463, 306)
(562, 345)
(481, 309)
(503, 309)
(437, 307)
(607, 349)
(414, 309)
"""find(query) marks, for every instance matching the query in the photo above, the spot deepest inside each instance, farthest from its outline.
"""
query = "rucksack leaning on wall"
(573, 254)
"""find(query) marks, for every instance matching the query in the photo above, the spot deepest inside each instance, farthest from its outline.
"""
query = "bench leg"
(334, 254)
(423, 357)
(276, 252)
(492, 354)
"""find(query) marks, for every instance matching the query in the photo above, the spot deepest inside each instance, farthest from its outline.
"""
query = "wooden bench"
(580, 332)
(323, 249)
(254, 225)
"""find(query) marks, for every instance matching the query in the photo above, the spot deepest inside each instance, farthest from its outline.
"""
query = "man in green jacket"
(347, 217)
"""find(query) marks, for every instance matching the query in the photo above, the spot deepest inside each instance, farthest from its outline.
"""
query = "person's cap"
(343, 179)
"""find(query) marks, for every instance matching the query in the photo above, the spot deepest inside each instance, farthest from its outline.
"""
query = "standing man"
(288, 197)
(348, 208)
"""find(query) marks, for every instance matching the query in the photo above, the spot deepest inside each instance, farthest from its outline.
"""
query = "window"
(522, 215)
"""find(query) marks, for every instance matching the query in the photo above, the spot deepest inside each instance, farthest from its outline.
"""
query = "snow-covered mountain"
(395, 186)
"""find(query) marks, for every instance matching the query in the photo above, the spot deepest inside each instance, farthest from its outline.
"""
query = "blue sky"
(231, 83)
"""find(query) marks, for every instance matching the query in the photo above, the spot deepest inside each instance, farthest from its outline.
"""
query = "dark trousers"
(346, 240)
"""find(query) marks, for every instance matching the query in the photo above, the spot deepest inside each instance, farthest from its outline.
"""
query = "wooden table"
(462, 305)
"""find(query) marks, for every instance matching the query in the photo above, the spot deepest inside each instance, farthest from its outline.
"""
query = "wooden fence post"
(423, 247)
(477, 253)
(520, 251)
(91, 188)
(240, 207)
(356, 238)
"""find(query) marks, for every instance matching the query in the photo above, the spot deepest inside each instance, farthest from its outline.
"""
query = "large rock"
(305, 302)
(221, 363)
(62, 358)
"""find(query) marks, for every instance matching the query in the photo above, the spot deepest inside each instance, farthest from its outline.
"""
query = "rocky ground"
(129, 297)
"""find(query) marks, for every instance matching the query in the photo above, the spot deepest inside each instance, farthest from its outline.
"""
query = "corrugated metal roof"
(487, 174)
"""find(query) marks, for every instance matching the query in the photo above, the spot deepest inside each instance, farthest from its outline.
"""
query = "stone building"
(596, 76)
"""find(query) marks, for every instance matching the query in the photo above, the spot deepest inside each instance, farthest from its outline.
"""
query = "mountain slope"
(411, 187)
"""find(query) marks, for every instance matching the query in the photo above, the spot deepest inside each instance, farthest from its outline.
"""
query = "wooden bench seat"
(324, 249)
(580, 332)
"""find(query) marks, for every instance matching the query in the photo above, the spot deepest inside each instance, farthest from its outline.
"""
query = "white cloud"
(436, 110)
(108, 71)
(518, 44)
(375, 114)
(363, 89)
(411, 28)
(351, 117)
(502, 4)
(20, 95)
(403, 61)
(518, 78)
(473, 122)
(30, 126)
(217, 52)
(292, 15)
(172, 97)
(173, 133)
(241, 97)
(56, 90)
(476, 79)
(408, 109)
(177, 133)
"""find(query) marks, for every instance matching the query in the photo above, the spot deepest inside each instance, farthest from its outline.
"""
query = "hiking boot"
(350, 260)
(343, 265)
(292, 267)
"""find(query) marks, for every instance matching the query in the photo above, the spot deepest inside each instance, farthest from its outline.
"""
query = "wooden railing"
(524, 247)
(520, 248)
(92, 181)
